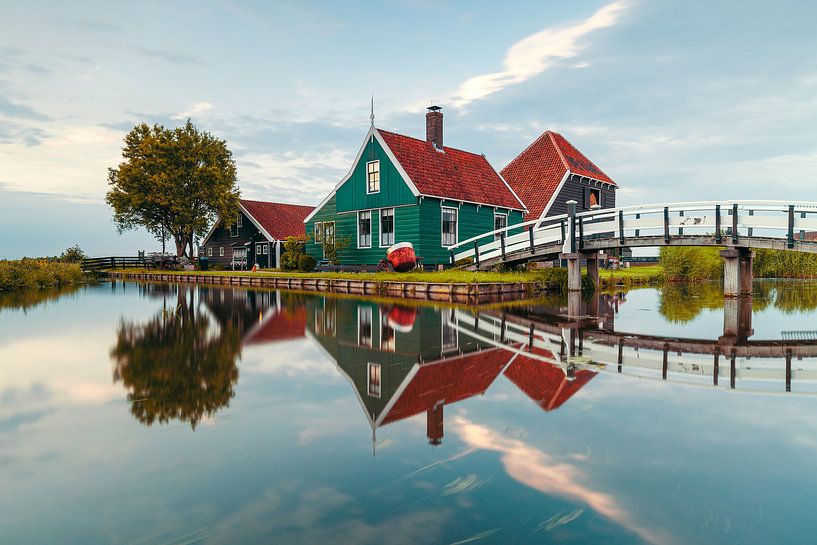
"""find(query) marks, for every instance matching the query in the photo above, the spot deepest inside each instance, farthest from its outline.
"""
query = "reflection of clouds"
(540, 471)
(299, 512)
(288, 358)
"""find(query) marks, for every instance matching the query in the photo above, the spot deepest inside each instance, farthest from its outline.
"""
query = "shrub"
(690, 263)
(37, 273)
(289, 261)
(74, 254)
(306, 262)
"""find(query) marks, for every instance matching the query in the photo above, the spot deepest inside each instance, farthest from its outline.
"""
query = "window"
(221, 251)
(329, 232)
(450, 338)
(364, 229)
(373, 177)
(387, 227)
(593, 198)
(373, 370)
(240, 220)
(318, 231)
(364, 326)
(258, 249)
(449, 229)
(235, 225)
(265, 248)
(500, 222)
(387, 336)
(209, 252)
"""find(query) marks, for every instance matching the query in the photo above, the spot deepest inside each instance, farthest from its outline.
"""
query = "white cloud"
(536, 53)
(194, 110)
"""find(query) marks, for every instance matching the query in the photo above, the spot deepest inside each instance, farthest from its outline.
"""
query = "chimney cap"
(435, 108)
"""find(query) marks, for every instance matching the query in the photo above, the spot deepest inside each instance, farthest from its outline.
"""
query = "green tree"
(74, 254)
(173, 182)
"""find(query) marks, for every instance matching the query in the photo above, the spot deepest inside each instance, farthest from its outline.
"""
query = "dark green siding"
(393, 189)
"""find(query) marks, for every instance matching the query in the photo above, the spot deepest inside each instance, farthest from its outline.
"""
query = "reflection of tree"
(177, 365)
(29, 298)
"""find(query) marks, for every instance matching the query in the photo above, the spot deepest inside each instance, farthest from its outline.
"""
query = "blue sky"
(675, 100)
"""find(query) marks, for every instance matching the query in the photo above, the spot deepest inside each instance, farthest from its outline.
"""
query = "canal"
(139, 413)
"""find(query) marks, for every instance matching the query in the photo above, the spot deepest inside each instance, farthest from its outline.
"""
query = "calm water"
(151, 414)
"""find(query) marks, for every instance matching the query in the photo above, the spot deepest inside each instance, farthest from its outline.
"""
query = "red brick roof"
(278, 219)
(452, 173)
(536, 172)
(449, 381)
(546, 384)
(284, 324)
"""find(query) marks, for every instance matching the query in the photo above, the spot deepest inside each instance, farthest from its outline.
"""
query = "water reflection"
(403, 361)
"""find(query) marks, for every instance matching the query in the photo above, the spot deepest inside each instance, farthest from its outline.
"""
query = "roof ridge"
(278, 203)
(529, 146)
(558, 149)
(429, 143)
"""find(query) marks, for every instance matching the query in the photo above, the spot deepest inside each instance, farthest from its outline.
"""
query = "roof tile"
(280, 220)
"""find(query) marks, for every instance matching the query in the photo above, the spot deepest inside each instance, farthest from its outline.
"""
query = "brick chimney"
(434, 126)
(434, 424)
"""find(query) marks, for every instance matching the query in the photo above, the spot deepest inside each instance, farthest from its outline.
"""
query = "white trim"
(357, 229)
(380, 227)
(553, 197)
(263, 231)
(457, 225)
(378, 177)
(450, 322)
(371, 133)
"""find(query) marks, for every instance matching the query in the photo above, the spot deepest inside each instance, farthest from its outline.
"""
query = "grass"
(38, 273)
(634, 276)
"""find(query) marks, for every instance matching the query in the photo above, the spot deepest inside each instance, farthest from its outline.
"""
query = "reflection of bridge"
(740, 226)
(577, 343)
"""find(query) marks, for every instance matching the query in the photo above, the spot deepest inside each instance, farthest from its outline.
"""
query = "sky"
(676, 100)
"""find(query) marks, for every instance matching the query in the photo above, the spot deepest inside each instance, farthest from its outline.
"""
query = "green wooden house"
(403, 189)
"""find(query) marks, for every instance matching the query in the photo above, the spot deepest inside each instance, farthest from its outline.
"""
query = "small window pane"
(374, 379)
(500, 222)
(449, 226)
(373, 177)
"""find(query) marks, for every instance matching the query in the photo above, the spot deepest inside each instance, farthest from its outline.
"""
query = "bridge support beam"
(737, 320)
(737, 272)
(574, 269)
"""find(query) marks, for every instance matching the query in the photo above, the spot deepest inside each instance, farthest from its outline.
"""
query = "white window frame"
(265, 248)
(258, 248)
(365, 310)
(209, 251)
(221, 251)
(318, 231)
(444, 325)
(240, 220)
(393, 227)
(372, 392)
(500, 215)
(457, 222)
(331, 225)
(368, 187)
(371, 231)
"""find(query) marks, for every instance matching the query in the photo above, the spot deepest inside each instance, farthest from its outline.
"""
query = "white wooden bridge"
(737, 226)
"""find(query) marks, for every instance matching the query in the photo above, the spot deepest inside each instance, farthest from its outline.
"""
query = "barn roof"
(546, 384)
(279, 220)
(279, 325)
(450, 173)
(536, 173)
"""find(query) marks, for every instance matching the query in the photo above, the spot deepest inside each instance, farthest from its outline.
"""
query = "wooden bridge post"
(593, 268)
(571, 213)
(737, 272)
(574, 271)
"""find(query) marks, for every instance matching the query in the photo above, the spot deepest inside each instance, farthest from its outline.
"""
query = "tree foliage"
(173, 182)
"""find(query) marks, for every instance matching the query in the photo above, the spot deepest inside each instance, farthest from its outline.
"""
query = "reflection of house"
(546, 384)
(278, 324)
(255, 235)
(404, 361)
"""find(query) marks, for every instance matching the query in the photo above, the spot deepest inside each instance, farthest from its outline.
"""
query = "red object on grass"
(401, 256)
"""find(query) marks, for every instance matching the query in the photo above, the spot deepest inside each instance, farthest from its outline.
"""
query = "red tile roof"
(451, 173)
(278, 219)
(282, 325)
(546, 384)
(535, 173)
(449, 381)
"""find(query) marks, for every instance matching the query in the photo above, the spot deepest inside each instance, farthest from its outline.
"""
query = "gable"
(353, 193)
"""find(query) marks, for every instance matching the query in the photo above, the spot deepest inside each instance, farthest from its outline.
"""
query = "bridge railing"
(724, 221)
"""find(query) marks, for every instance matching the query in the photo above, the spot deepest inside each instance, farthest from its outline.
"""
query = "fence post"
(581, 232)
(681, 229)
(476, 253)
(564, 230)
(571, 213)
(451, 256)
(621, 227)
(734, 224)
(790, 236)
(718, 238)
(638, 231)
(750, 230)
(666, 225)
(502, 244)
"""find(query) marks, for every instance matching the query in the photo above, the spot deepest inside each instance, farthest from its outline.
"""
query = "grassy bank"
(37, 273)
(690, 264)
(635, 276)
